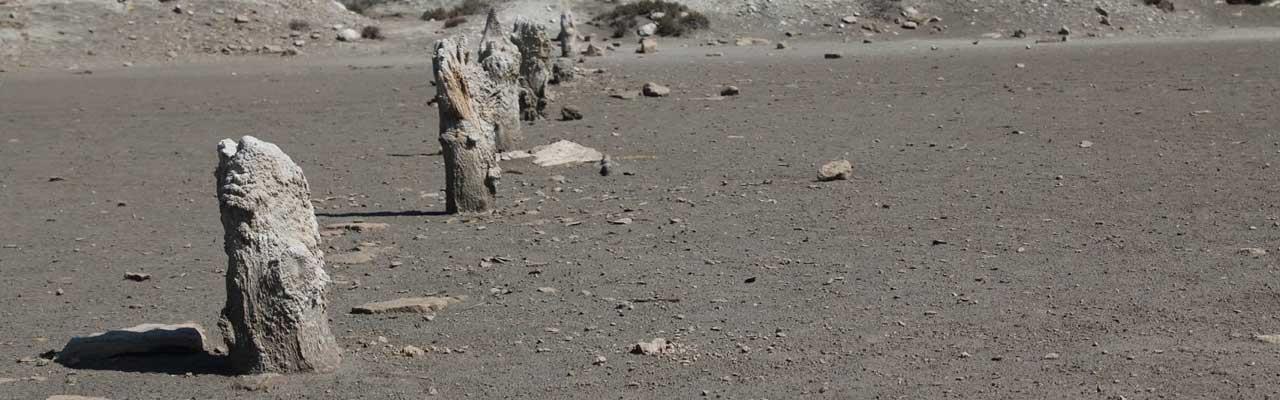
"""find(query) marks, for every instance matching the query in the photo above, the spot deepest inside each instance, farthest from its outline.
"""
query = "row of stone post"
(275, 318)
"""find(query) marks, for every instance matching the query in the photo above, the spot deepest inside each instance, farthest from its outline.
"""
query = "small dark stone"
(570, 113)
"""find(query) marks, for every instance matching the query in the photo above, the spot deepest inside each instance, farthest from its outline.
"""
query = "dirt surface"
(979, 251)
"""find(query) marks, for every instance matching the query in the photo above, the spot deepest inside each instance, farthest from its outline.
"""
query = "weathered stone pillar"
(274, 319)
(466, 130)
(535, 57)
(501, 60)
(568, 35)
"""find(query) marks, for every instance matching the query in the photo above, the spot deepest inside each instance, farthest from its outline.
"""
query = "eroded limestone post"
(535, 57)
(492, 28)
(501, 60)
(274, 319)
(568, 35)
(466, 133)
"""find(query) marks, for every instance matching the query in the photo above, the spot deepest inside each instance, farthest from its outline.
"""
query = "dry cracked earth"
(1060, 221)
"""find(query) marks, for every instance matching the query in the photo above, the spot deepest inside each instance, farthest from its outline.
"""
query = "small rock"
(1019, 33)
(646, 30)
(1019, 65)
(363, 254)
(259, 383)
(1064, 31)
(1084, 144)
(358, 226)
(655, 90)
(751, 41)
(835, 170)
(606, 165)
(136, 276)
(600, 360)
(1269, 339)
(1253, 251)
(408, 305)
(647, 46)
(910, 25)
(593, 51)
(622, 221)
(832, 56)
(849, 20)
(412, 351)
(348, 35)
(652, 347)
(1052, 356)
(570, 113)
(782, 46)
(241, 19)
(547, 290)
(730, 91)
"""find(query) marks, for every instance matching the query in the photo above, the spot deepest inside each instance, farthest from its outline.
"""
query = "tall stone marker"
(535, 67)
(501, 60)
(274, 319)
(568, 35)
(466, 129)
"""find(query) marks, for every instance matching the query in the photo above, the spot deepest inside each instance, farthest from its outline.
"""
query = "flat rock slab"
(362, 255)
(564, 152)
(408, 305)
(359, 226)
(139, 340)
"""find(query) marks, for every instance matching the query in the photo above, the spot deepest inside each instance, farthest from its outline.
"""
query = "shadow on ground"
(173, 364)
(384, 214)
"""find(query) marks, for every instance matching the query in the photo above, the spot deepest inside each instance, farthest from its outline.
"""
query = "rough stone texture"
(74, 397)
(348, 35)
(500, 101)
(570, 113)
(647, 46)
(408, 305)
(655, 90)
(568, 35)
(835, 170)
(142, 339)
(466, 137)
(652, 347)
(274, 319)
(593, 51)
(562, 70)
(492, 28)
(535, 69)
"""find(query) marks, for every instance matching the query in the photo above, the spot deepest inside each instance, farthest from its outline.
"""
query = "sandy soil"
(962, 260)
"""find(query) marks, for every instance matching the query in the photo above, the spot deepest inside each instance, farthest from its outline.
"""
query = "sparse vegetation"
(468, 7)
(454, 21)
(372, 32)
(299, 25)
(676, 19)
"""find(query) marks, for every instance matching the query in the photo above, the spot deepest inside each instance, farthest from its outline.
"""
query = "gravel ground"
(980, 250)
